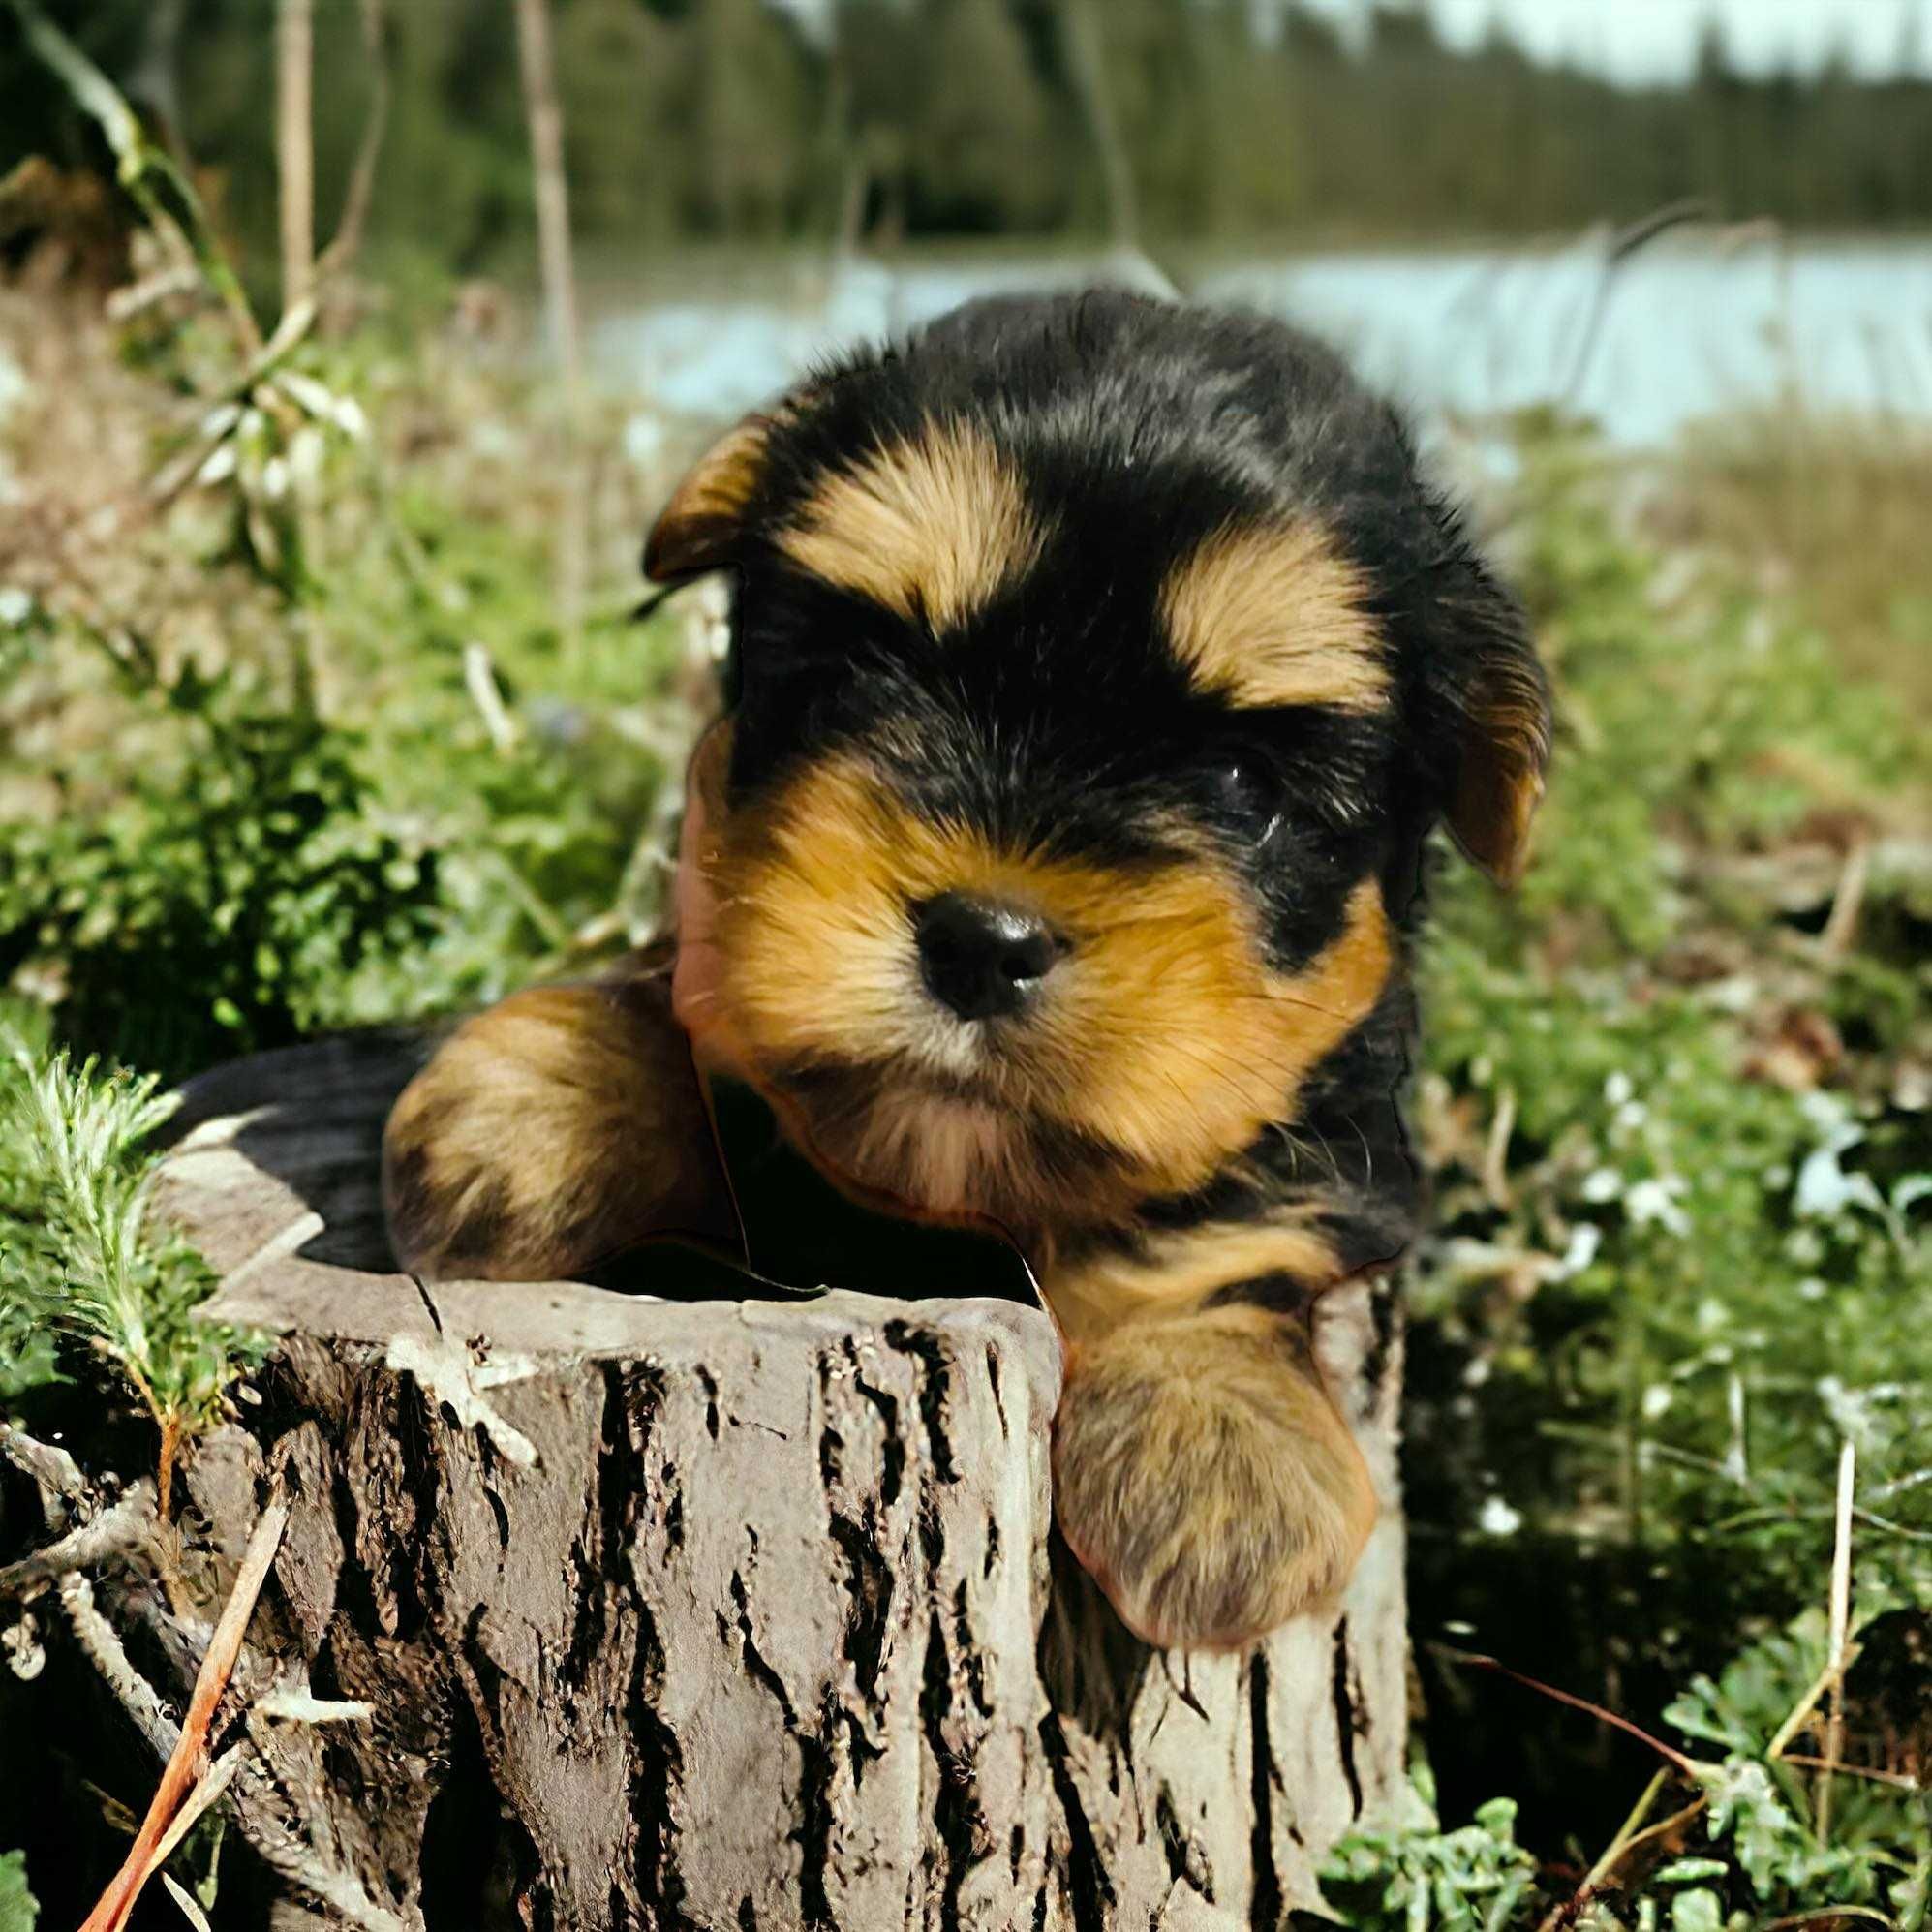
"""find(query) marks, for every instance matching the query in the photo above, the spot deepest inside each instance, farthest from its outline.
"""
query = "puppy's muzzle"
(984, 959)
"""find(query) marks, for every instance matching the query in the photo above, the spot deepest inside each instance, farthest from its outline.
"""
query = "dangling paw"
(1206, 1479)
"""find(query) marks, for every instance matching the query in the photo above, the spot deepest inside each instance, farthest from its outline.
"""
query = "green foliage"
(1685, 1192)
(1683, 1244)
(17, 1909)
(1752, 1851)
(731, 120)
(218, 901)
(1419, 1878)
(1714, 1256)
(1762, 1823)
(79, 1260)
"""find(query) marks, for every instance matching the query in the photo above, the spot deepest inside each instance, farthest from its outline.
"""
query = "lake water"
(1683, 330)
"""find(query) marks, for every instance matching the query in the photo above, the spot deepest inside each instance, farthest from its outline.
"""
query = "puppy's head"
(1098, 669)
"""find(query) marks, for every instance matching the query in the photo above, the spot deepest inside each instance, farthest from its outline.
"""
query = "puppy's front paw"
(548, 1134)
(1205, 1478)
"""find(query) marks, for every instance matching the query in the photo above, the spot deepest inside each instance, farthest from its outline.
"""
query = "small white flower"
(1618, 1089)
(15, 605)
(1824, 1191)
(1585, 1238)
(1657, 1400)
(1654, 1203)
(1497, 1519)
(1737, 992)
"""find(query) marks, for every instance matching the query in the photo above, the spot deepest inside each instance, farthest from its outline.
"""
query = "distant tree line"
(872, 119)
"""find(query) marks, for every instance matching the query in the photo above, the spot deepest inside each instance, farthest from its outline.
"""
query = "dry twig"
(1841, 1627)
(115, 1531)
(187, 1764)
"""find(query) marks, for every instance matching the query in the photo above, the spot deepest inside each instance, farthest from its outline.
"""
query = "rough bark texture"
(727, 1614)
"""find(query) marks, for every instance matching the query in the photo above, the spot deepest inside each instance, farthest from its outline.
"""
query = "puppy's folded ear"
(1490, 713)
(699, 529)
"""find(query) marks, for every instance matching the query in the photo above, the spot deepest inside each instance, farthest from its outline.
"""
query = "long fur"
(1141, 625)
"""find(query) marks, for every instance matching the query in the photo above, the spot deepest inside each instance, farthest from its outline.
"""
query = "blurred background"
(1440, 184)
(347, 346)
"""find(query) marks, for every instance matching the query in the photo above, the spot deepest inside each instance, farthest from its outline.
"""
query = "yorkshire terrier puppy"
(1099, 671)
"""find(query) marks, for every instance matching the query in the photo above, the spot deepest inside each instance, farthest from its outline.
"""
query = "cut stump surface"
(727, 1614)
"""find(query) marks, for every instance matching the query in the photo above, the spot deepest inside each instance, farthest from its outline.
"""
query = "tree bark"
(725, 1614)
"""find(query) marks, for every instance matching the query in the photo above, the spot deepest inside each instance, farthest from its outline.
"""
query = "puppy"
(1099, 667)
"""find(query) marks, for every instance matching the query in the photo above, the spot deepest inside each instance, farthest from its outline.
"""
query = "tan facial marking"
(1164, 1035)
(1275, 614)
(1208, 1032)
(1177, 1271)
(932, 528)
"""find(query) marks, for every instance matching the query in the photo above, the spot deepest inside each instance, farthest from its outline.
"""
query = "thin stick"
(559, 299)
(295, 146)
(115, 1531)
(1619, 1854)
(185, 1900)
(1896, 1779)
(1841, 1624)
(553, 195)
(1670, 1756)
(1496, 1151)
(1626, 1832)
(212, 1783)
(170, 1450)
(337, 256)
(1805, 1706)
(1835, 941)
(189, 1752)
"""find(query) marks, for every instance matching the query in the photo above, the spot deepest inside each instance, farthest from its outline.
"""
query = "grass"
(308, 748)
(1675, 1102)
(1829, 513)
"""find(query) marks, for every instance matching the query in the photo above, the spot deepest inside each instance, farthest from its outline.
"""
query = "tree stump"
(725, 1614)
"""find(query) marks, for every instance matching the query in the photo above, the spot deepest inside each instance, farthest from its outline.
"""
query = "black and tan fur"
(1134, 631)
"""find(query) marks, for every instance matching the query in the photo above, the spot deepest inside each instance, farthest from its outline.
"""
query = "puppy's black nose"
(981, 957)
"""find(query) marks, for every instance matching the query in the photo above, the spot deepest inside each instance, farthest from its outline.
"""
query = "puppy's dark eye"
(1248, 790)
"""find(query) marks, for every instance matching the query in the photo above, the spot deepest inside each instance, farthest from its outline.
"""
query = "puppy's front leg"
(553, 1131)
(1202, 1471)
